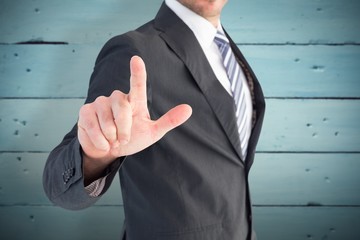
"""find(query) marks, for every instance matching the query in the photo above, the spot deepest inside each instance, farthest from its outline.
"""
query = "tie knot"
(221, 41)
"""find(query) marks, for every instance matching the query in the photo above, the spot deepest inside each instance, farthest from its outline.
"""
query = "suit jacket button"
(68, 174)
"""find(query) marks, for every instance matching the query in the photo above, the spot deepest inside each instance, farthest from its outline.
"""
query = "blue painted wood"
(271, 223)
(21, 181)
(260, 21)
(306, 71)
(284, 71)
(320, 223)
(276, 179)
(71, 21)
(311, 126)
(59, 71)
(306, 179)
(297, 21)
(290, 125)
(35, 125)
(38, 222)
(299, 49)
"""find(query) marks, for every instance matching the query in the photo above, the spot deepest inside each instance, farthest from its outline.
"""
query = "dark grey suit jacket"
(192, 184)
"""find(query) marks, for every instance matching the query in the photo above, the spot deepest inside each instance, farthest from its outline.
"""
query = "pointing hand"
(120, 125)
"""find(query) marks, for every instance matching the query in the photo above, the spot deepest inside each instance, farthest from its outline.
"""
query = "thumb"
(172, 119)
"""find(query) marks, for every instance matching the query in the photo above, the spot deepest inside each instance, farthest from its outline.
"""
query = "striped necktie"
(236, 77)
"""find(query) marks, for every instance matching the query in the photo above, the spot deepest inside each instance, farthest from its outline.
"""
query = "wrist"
(94, 168)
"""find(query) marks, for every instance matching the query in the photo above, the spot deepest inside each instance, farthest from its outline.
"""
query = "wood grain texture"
(275, 179)
(294, 21)
(306, 179)
(280, 223)
(54, 223)
(46, 71)
(63, 71)
(258, 21)
(21, 181)
(306, 54)
(291, 125)
(306, 71)
(320, 223)
(311, 126)
(71, 21)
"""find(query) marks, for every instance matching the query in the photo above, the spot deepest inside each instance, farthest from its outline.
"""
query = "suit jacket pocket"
(209, 232)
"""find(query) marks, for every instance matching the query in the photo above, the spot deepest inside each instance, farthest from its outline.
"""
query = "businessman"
(175, 109)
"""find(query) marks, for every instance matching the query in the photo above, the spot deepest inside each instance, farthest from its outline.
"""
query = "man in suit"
(188, 183)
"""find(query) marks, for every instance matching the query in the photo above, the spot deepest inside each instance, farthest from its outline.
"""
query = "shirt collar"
(204, 31)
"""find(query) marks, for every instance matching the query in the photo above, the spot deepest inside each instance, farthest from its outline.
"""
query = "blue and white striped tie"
(236, 77)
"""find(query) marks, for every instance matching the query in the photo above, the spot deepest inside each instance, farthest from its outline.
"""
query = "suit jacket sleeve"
(63, 176)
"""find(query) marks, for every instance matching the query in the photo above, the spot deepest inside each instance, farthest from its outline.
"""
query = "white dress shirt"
(205, 33)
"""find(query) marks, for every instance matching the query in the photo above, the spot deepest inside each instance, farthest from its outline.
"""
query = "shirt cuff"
(95, 188)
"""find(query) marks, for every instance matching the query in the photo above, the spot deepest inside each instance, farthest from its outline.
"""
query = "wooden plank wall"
(306, 53)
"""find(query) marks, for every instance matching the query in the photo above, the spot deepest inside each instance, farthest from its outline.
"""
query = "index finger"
(137, 80)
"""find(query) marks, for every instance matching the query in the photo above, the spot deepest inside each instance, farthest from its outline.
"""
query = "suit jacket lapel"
(184, 43)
